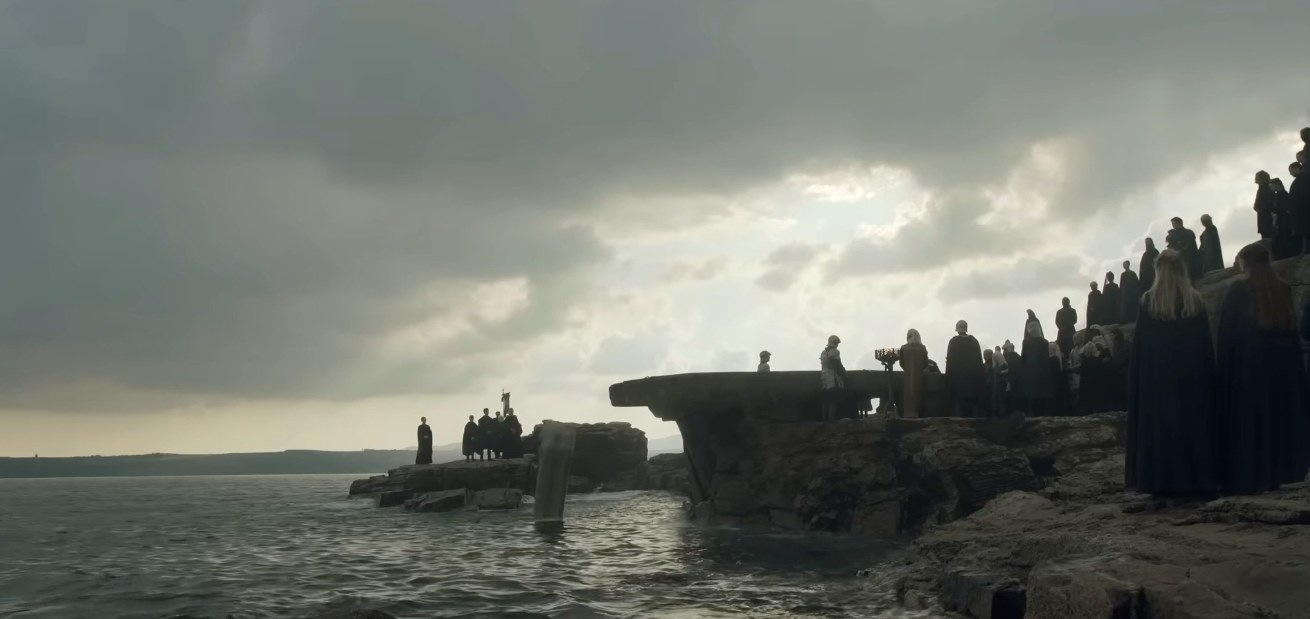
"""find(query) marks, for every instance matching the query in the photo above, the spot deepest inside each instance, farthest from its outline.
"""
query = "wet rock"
(581, 485)
(612, 454)
(476, 475)
(494, 499)
(441, 501)
(668, 472)
(392, 498)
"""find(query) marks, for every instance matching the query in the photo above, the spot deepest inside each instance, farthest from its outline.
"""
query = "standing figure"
(485, 435)
(1298, 204)
(1066, 321)
(1061, 401)
(1000, 377)
(966, 376)
(1147, 266)
(424, 442)
(1284, 225)
(1032, 317)
(1262, 383)
(1212, 254)
(469, 444)
(513, 435)
(1093, 306)
(832, 377)
(1171, 419)
(1037, 371)
(1111, 304)
(1183, 241)
(1015, 397)
(1131, 294)
(764, 361)
(1264, 205)
(498, 435)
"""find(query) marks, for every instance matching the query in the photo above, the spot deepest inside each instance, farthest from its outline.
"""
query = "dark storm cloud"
(243, 197)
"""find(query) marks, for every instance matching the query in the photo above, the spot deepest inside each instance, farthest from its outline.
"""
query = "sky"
(296, 224)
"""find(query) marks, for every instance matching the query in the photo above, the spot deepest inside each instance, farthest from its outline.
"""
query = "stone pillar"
(554, 463)
(914, 358)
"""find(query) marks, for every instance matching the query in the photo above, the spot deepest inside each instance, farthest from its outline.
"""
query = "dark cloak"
(1116, 376)
(485, 424)
(1014, 376)
(1093, 308)
(1066, 322)
(1183, 241)
(1111, 304)
(1030, 320)
(965, 375)
(1298, 200)
(1286, 243)
(1130, 290)
(1171, 420)
(1305, 321)
(1061, 401)
(1037, 368)
(469, 445)
(1261, 397)
(1094, 373)
(1264, 211)
(1212, 253)
(424, 445)
(1147, 268)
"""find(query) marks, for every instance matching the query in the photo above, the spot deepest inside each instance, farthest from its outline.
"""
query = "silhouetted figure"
(1285, 239)
(485, 434)
(1061, 399)
(1121, 360)
(1264, 205)
(1111, 302)
(1171, 420)
(1298, 204)
(1147, 266)
(1066, 323)
(1032, 317)
(965, 375)
(764, 361)
(1093, 306)
(832, 377)
(1183, 241)
(1015, 396)
(1037, 371)
(513, 435)
(498, 435)
(469, 445)
(1261, 381)
(1094, 378)
(991, 367)
(1212, 253)
(1130, 291)
(424, 442)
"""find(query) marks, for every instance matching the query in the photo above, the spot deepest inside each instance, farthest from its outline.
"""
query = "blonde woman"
(1171, 416)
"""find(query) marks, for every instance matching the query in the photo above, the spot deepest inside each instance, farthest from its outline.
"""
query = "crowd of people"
(487, 438)
(1207, 414)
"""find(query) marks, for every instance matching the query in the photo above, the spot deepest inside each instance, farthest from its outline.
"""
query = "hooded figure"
(832, 377)
(1015, 399)
(1093, 307)
(1264, 205)
(1147, 266)
(424, 442)
(485, 434)
(1066, 322)
(1032, 317)
(1037, 370)
(1212, 254)
(469, 444)
(764, 361)
(965, 374)
(1130, 288)
(1111, 304)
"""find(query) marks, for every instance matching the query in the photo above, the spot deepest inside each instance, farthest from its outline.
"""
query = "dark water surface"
(292, 546)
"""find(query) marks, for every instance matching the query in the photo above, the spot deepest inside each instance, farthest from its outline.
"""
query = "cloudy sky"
(261, 225)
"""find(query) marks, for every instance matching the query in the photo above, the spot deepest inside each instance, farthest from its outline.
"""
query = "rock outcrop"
(668, 472)
(610, 457)
(520, 474)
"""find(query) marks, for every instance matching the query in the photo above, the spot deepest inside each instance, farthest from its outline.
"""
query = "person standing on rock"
(1262, 399)
(469, 445)
(1066, 322)
(1037, 371)
(1093, 306)
(485, 434)
(764, 361)
(1264, 205)
(1171, 423)
(1298, 202)
(1130, 289)
(965, 373)
(1212, 253)
(1183, 241)
(1147, 266)
(498, 436)
(424, 442)
(1111, 303)
(832, 377)
(1015, 398)
(513, 435)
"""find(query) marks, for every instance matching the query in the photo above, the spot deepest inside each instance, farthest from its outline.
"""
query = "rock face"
(415, 479)
(441, 501)
(609, 456)
(493, 499)
(668, 472)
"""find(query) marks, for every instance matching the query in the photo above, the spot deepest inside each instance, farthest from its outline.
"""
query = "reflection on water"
(292, 545)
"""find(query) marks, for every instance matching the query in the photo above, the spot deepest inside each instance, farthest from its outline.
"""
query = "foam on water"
(280, 546)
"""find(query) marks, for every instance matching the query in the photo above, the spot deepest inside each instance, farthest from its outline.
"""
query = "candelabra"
(889, 357)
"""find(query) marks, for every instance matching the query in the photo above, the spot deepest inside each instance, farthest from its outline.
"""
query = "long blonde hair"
(1172, 296)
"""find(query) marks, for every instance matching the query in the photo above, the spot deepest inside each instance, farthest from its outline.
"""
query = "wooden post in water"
(554, 463)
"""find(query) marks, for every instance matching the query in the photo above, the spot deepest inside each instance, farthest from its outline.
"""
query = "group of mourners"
(1283, 214)
(486, 438)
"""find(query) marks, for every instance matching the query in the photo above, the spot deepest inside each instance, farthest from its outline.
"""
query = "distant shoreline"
(291, 462)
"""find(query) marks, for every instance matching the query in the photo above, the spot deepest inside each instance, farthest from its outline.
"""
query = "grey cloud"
(241, 197)
(682, 271)
(784, 265)
(635, 355)
(1014, 277)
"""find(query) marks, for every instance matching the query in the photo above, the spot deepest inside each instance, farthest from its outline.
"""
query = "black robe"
(1212, 253)
(1264, 211)
(485, 433)
(1111, 304)
(1093, 308)
(1183, 241)
(965, 375)
(1171, 420)
(424, 445)
(1285, 239)
(1305, 321)
(1014, 378)
(1066, 322)
(1037, 371)
(1093, 375)
(1061, 400)
(1147, 268)
(1298, 202)
(1130, 291)
(1262, 400)
(469, 445)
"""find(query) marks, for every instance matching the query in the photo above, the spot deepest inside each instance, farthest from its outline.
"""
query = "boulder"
(612, 454)
(422, 478)
(667, 472)
(392, 498)
(493, 499)
(441, 501)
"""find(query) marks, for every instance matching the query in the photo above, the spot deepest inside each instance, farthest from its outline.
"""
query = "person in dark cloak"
(989, 370)
(513, 435)
(1066, 322)
(485, 435)
(1130, 291)
(498, 435)
(1094, 377)
(469, 445)
(424, 442)
(1264, 205)
(1284, 226)
(1037, 371)
(1261, 381)
(1171, 423)
(1121, 357)
(1111, 302)
(1183, 241)
(1298, 204)
(1032, 317)
(1061, 402)
(1015, 396)
(965, 375)
(1093, 306)
(1146, 268)
(1212, 253)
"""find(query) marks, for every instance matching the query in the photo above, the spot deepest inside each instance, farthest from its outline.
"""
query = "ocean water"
(296, 546)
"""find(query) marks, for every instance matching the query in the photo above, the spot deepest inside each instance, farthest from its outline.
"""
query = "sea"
(297, 546)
